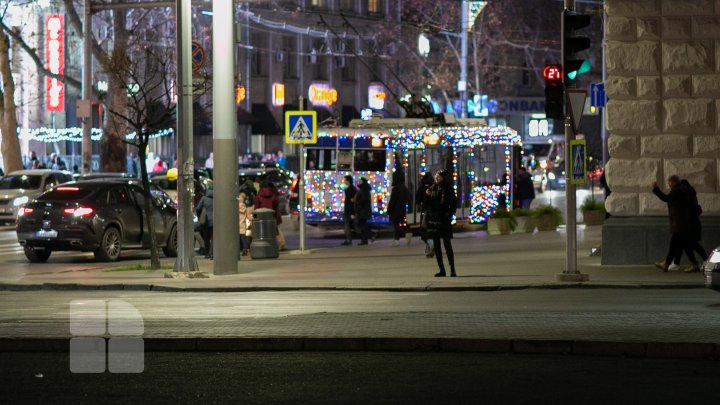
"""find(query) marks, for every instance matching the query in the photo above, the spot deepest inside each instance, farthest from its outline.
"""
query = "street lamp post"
(225, 221)
(185, 261)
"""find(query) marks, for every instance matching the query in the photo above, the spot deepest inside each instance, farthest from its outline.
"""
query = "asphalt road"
(364, 378)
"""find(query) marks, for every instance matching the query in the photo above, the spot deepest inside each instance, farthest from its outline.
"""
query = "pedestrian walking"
(210, 164)
(694, 235)
(524, 188)
(425, 184)
(245, 224)
(397, 206)
(204, 212)
(268, 197)
(678, 204)
(441, 203)
(349, 208)
(363, 210)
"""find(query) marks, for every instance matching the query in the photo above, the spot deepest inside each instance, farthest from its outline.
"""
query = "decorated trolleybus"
(482, 159)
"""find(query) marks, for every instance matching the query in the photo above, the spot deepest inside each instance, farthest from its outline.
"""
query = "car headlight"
(20, 201)
(551, 176)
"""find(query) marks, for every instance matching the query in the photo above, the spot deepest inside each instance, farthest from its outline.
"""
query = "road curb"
(680, 350)
(165, 288)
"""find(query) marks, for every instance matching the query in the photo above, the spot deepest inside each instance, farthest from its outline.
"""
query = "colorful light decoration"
(50, 135)
(327, 196)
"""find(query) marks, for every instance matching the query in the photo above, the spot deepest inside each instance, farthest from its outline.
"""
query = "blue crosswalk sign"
(300, 127)
(578, 168)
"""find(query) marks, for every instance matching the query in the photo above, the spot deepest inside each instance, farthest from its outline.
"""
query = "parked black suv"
(101, 216)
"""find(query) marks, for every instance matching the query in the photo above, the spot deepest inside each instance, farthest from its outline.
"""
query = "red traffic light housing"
(553, 73)
(554, 92)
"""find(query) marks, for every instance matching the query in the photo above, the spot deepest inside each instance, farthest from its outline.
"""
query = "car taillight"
(22, 211)
(79, 212)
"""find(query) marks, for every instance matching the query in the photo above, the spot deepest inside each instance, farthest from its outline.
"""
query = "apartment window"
(348, 69)
(290, 57)
(347, 5)
(258, 62)
(373, 6)
(320, 67)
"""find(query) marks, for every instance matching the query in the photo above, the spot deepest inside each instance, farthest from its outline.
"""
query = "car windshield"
(25, 181)
(66, 193)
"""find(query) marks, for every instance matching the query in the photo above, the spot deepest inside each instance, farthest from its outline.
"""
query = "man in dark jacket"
(349, 209)
(206, 221)
(397, 206)
(694, 233)
(363, 209)
(524, 188)
(679, 215)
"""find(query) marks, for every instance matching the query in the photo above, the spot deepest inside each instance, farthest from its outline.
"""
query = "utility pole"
(225, 176)
(462, 83)
(86, 152)
(248, 56)
(185, 261)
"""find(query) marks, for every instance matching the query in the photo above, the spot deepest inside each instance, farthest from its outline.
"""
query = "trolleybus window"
(370, 160)
(321, 159)
(344, 160)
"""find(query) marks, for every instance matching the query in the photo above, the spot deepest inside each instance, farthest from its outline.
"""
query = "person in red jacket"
(268, 197)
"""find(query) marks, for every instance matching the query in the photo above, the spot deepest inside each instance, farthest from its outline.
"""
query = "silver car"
(22, 186)
(711, 269)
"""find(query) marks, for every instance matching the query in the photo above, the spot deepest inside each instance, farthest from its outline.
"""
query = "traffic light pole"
(571, 273)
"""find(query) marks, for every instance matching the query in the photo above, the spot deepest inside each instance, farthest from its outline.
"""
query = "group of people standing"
(250, 198)
(684, 214)
(436, 201)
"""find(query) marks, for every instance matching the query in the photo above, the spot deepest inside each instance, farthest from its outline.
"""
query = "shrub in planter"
(524, 219)
(501, 222)
(593, 212)
(547, 217)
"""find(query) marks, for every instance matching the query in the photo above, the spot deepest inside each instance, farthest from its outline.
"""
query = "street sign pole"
(571, 126)
(301, 128)
(301, 186)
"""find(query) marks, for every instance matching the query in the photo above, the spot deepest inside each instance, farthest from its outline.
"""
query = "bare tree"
(148, 109)
(8, 110)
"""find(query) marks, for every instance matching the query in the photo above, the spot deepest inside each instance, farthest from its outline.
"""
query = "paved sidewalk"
(483, 263)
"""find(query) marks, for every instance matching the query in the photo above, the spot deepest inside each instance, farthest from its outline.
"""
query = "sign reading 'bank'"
(517, 106)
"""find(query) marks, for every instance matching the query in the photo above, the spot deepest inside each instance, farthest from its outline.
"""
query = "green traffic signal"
(584, 68)
(572, 44)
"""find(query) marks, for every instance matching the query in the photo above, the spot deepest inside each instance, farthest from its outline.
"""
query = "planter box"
(545, 223)
(498, 226)
(525, 225)
(593, 217)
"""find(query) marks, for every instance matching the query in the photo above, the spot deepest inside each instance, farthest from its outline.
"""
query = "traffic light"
(572, 44)
(554, 92)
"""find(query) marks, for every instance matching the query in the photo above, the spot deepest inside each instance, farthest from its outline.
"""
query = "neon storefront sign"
(322, 94)
(55, 57)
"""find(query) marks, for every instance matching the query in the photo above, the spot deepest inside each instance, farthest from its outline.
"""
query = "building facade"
(663, 116)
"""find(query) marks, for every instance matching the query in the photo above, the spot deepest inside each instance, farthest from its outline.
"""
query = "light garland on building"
(50, 135)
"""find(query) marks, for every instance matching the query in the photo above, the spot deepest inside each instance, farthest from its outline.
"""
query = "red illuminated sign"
(552, 72)
(55, 57)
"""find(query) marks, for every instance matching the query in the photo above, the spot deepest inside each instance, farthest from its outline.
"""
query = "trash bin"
(264, 232)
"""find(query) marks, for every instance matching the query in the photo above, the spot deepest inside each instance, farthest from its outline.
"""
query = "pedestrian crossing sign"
(300, 127)
(578, 169)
